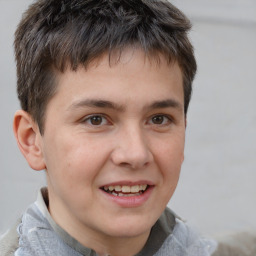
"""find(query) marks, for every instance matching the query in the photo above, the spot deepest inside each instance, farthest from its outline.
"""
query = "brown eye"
(158, 119)
(96, 120)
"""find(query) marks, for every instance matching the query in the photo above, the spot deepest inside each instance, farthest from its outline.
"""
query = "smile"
(126, 190)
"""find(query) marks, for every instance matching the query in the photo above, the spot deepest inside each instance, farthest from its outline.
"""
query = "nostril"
(123, 164)
(134, 165)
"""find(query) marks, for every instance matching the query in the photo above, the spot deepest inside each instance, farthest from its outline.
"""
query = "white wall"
(18, 183)
(217, 191)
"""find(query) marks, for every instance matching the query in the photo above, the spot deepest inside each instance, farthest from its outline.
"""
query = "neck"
(120, 246)
(103, 245)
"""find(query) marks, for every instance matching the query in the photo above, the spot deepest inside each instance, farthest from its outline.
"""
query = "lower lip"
(130, 201)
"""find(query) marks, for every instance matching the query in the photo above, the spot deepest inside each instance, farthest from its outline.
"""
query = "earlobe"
(28, 137)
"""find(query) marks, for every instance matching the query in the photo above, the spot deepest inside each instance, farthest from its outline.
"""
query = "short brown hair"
(54, 35)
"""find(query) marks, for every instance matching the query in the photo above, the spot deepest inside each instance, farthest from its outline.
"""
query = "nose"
(131, 149)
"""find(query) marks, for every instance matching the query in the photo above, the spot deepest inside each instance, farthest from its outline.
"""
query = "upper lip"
(129, 183)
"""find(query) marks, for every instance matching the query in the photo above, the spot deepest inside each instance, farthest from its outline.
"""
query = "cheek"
(169, 157)
(80, 161)
(170, 151)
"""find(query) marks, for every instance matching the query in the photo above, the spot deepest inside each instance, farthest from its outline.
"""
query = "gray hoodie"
(37, 234)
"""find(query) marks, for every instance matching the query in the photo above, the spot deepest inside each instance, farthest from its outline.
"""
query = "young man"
(104, 88)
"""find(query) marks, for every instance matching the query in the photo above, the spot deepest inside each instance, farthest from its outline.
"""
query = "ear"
(29, 139)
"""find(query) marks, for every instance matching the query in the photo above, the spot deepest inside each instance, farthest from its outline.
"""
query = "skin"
(135, 135)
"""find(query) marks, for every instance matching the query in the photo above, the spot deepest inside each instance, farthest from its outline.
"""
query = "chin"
(130, 228)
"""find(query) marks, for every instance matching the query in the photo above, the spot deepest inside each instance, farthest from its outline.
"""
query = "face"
(113, 145)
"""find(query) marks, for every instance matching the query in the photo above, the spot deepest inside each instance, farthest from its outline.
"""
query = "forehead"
(126, 75)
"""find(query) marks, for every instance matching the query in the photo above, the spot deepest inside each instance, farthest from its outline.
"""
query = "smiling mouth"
(125, 191)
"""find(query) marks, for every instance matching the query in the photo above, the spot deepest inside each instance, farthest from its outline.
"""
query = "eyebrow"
(96, 103)
(166, 104)
(108, 104)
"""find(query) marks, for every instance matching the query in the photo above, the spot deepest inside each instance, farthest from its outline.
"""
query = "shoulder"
(9, 242)
(237, 244)
(185, 240)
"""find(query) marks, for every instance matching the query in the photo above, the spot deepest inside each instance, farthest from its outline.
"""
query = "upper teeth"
(126, 189)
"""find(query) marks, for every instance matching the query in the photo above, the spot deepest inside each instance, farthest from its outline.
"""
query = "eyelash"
(88, 120)
(168, 119)
(104, 121)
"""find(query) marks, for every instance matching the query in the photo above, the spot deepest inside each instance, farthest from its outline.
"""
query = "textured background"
(217, 191)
